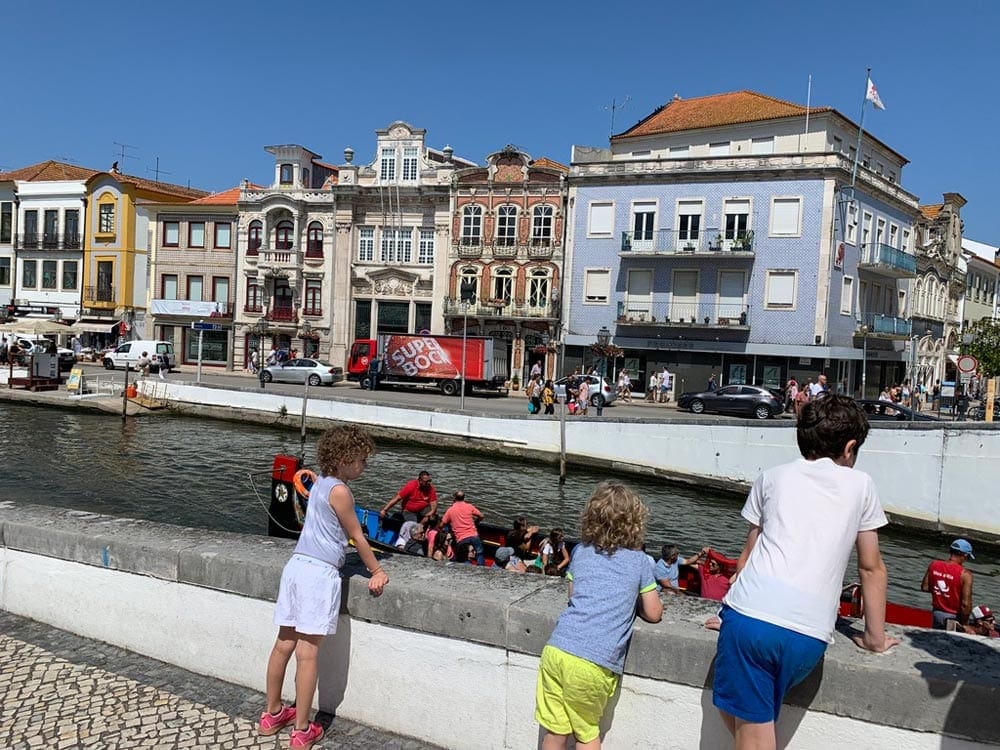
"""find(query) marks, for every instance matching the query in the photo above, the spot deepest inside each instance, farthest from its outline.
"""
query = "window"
(30, 228)
(880, 231)
(503, 285)
(70, 275)
(879, 167)
(51, 237)
(50, 274)
(640, 154)
(6, 222)
(538, 289)
(468, 290)
(220, 289)
(906, 241)
(852, 153)
(737, 215)
(866, 161)
(196, 234)
(785, 213)
(171, 233)
(688, 223)
(106, 218)
(362, 319)
(314, 240)
(596, 285)
(194, 288)
(405, 245)
(852, 223)
(507, 226)
(679, 152)
(847, 296)
(283, 235)
(29, 275)
(253, 296)
(762, 145)
(254, 233)
(838, 144)
(366, 244)
(410, 163)
(601, 220)
(387, 165)
(421, 316)
(643, 225)
(305, 178)
(780, 292)
(285, 174)
(168, 286)
(541, 225)
(892, 176)
(894, 236)
(223, 235)
(718, 149)
(313, 297)
(472, 225)
(866, 229)
(4, 271)
(425, 253)
(389, 246)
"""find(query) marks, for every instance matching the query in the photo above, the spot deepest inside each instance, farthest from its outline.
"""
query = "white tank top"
(322, 536)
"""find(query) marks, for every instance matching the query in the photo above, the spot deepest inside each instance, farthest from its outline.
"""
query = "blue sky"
(205, 86)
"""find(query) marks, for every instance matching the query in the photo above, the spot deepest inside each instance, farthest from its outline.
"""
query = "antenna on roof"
(614, 107)
(123, 155)
(66, 159)
(157, 171)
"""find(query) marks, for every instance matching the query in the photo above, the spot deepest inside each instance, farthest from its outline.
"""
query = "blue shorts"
(756, 663)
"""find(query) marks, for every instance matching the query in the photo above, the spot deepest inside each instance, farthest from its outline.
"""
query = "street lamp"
(603, 338)
(864, 359)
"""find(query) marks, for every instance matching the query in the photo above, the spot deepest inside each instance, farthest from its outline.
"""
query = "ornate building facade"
(506, 255)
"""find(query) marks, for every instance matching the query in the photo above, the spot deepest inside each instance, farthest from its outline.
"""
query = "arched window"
(285, 174)
(283, 235)
(538, 289)
(503, 285)
(472, 225)
(541, 225)
(254, 237)
(918, 297)
(507, 226)
(468, 287)
(314, 243)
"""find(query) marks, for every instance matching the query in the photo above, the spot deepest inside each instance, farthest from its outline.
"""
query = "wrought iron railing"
(98, 294)
(47, 241)
(674, 242)
(684, 313)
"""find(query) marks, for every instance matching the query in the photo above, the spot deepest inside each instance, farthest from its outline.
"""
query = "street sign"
(202, 326)
(967, 364)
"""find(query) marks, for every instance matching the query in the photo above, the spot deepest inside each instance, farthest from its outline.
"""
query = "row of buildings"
(734, 234)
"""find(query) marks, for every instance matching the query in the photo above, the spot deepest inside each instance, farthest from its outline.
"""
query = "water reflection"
(194, 472)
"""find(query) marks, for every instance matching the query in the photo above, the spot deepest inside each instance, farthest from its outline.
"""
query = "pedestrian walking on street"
(309, 594)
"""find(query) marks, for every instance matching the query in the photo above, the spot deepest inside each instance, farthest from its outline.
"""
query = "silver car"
(597, 387)
(313, 371)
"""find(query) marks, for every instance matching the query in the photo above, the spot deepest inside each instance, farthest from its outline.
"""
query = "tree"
(985, 346)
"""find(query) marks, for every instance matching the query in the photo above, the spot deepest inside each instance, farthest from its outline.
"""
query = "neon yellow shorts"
(571, 694)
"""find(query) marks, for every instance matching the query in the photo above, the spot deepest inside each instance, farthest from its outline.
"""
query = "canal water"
(195, 472)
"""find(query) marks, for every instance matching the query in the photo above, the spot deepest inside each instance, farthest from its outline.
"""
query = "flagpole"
(861, 125)
(809, 89)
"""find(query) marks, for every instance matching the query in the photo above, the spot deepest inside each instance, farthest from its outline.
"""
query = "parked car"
(599, 389)
(315, 371)
(883, 411)
(161, 354)
(745, 400)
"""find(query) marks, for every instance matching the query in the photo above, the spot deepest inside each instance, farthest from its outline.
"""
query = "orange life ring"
(303, 481)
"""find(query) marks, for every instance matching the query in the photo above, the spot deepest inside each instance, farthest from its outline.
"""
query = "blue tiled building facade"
(741, 248)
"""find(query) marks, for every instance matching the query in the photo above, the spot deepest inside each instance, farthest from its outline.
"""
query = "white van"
(161, 354)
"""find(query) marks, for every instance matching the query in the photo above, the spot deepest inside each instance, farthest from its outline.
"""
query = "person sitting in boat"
(416, 542)
(715, 579)
(418, 497)
(950, 586)
(666, 571)
(520, 539)
(505, 559)
(553, 550)
(442, 549)
(405, 534)
(432, 524)
(462, 517)
(982, 622)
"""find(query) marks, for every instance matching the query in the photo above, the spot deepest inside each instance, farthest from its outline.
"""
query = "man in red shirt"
(418, 496)
(950, 586)
(463, 516)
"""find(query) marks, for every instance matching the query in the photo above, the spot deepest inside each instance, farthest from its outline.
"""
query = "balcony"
(505, 247)
(501, 309)
(541, 248)
(282, 315)
(731, 316)
(253, 247)
(709, 243)
(314, 250)
(47, 241)
(253, 307)
(885, 326)
(886, 260)
(278, 260)
(99, 296)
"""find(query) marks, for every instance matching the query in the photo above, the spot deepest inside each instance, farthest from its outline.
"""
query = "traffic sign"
(202, 326)
(967, 364)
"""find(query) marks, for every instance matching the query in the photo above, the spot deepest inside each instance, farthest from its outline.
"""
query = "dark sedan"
(743, 400)
(884, 411)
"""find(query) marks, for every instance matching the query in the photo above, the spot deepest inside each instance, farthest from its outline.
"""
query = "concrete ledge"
(935, 682)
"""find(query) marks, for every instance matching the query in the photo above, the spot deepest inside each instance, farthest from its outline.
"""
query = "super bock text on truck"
(430, 361)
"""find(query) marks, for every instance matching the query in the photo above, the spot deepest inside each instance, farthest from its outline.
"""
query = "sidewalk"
(62, 691)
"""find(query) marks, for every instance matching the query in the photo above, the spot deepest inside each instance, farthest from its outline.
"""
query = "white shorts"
(309, 596)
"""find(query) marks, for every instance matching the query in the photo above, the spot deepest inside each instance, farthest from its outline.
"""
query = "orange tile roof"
(549, 163)
(713, 111)
(49, 171)
(931, 212)
(160, 187)
(225, 198)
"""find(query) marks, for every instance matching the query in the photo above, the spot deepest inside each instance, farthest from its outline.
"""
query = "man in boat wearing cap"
(950, 586)
(982, 622)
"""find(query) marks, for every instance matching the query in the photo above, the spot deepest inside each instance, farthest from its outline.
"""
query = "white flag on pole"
(872, 95)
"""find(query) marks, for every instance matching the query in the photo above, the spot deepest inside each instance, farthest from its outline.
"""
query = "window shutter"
(602, 218)
(785, 216)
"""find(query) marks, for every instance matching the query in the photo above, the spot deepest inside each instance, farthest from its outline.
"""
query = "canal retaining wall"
(449, 653)
(937, 476)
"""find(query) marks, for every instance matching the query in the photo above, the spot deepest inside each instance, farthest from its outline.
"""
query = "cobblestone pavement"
(60, 691)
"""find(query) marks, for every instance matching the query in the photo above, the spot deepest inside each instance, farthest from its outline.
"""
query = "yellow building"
(117, 246)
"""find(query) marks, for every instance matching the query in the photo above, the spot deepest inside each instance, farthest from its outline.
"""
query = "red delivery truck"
(431, 361)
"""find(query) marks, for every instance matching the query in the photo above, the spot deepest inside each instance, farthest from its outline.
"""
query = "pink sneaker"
(274, 723)
(303, 739)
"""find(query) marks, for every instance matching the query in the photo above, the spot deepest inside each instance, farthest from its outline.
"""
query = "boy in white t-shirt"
(805, 518)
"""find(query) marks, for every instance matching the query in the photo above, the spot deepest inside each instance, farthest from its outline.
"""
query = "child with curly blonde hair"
(309, 595)
(585, 656)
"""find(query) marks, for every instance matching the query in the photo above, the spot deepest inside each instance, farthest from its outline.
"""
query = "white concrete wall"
(937, 476)
(409, 682)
